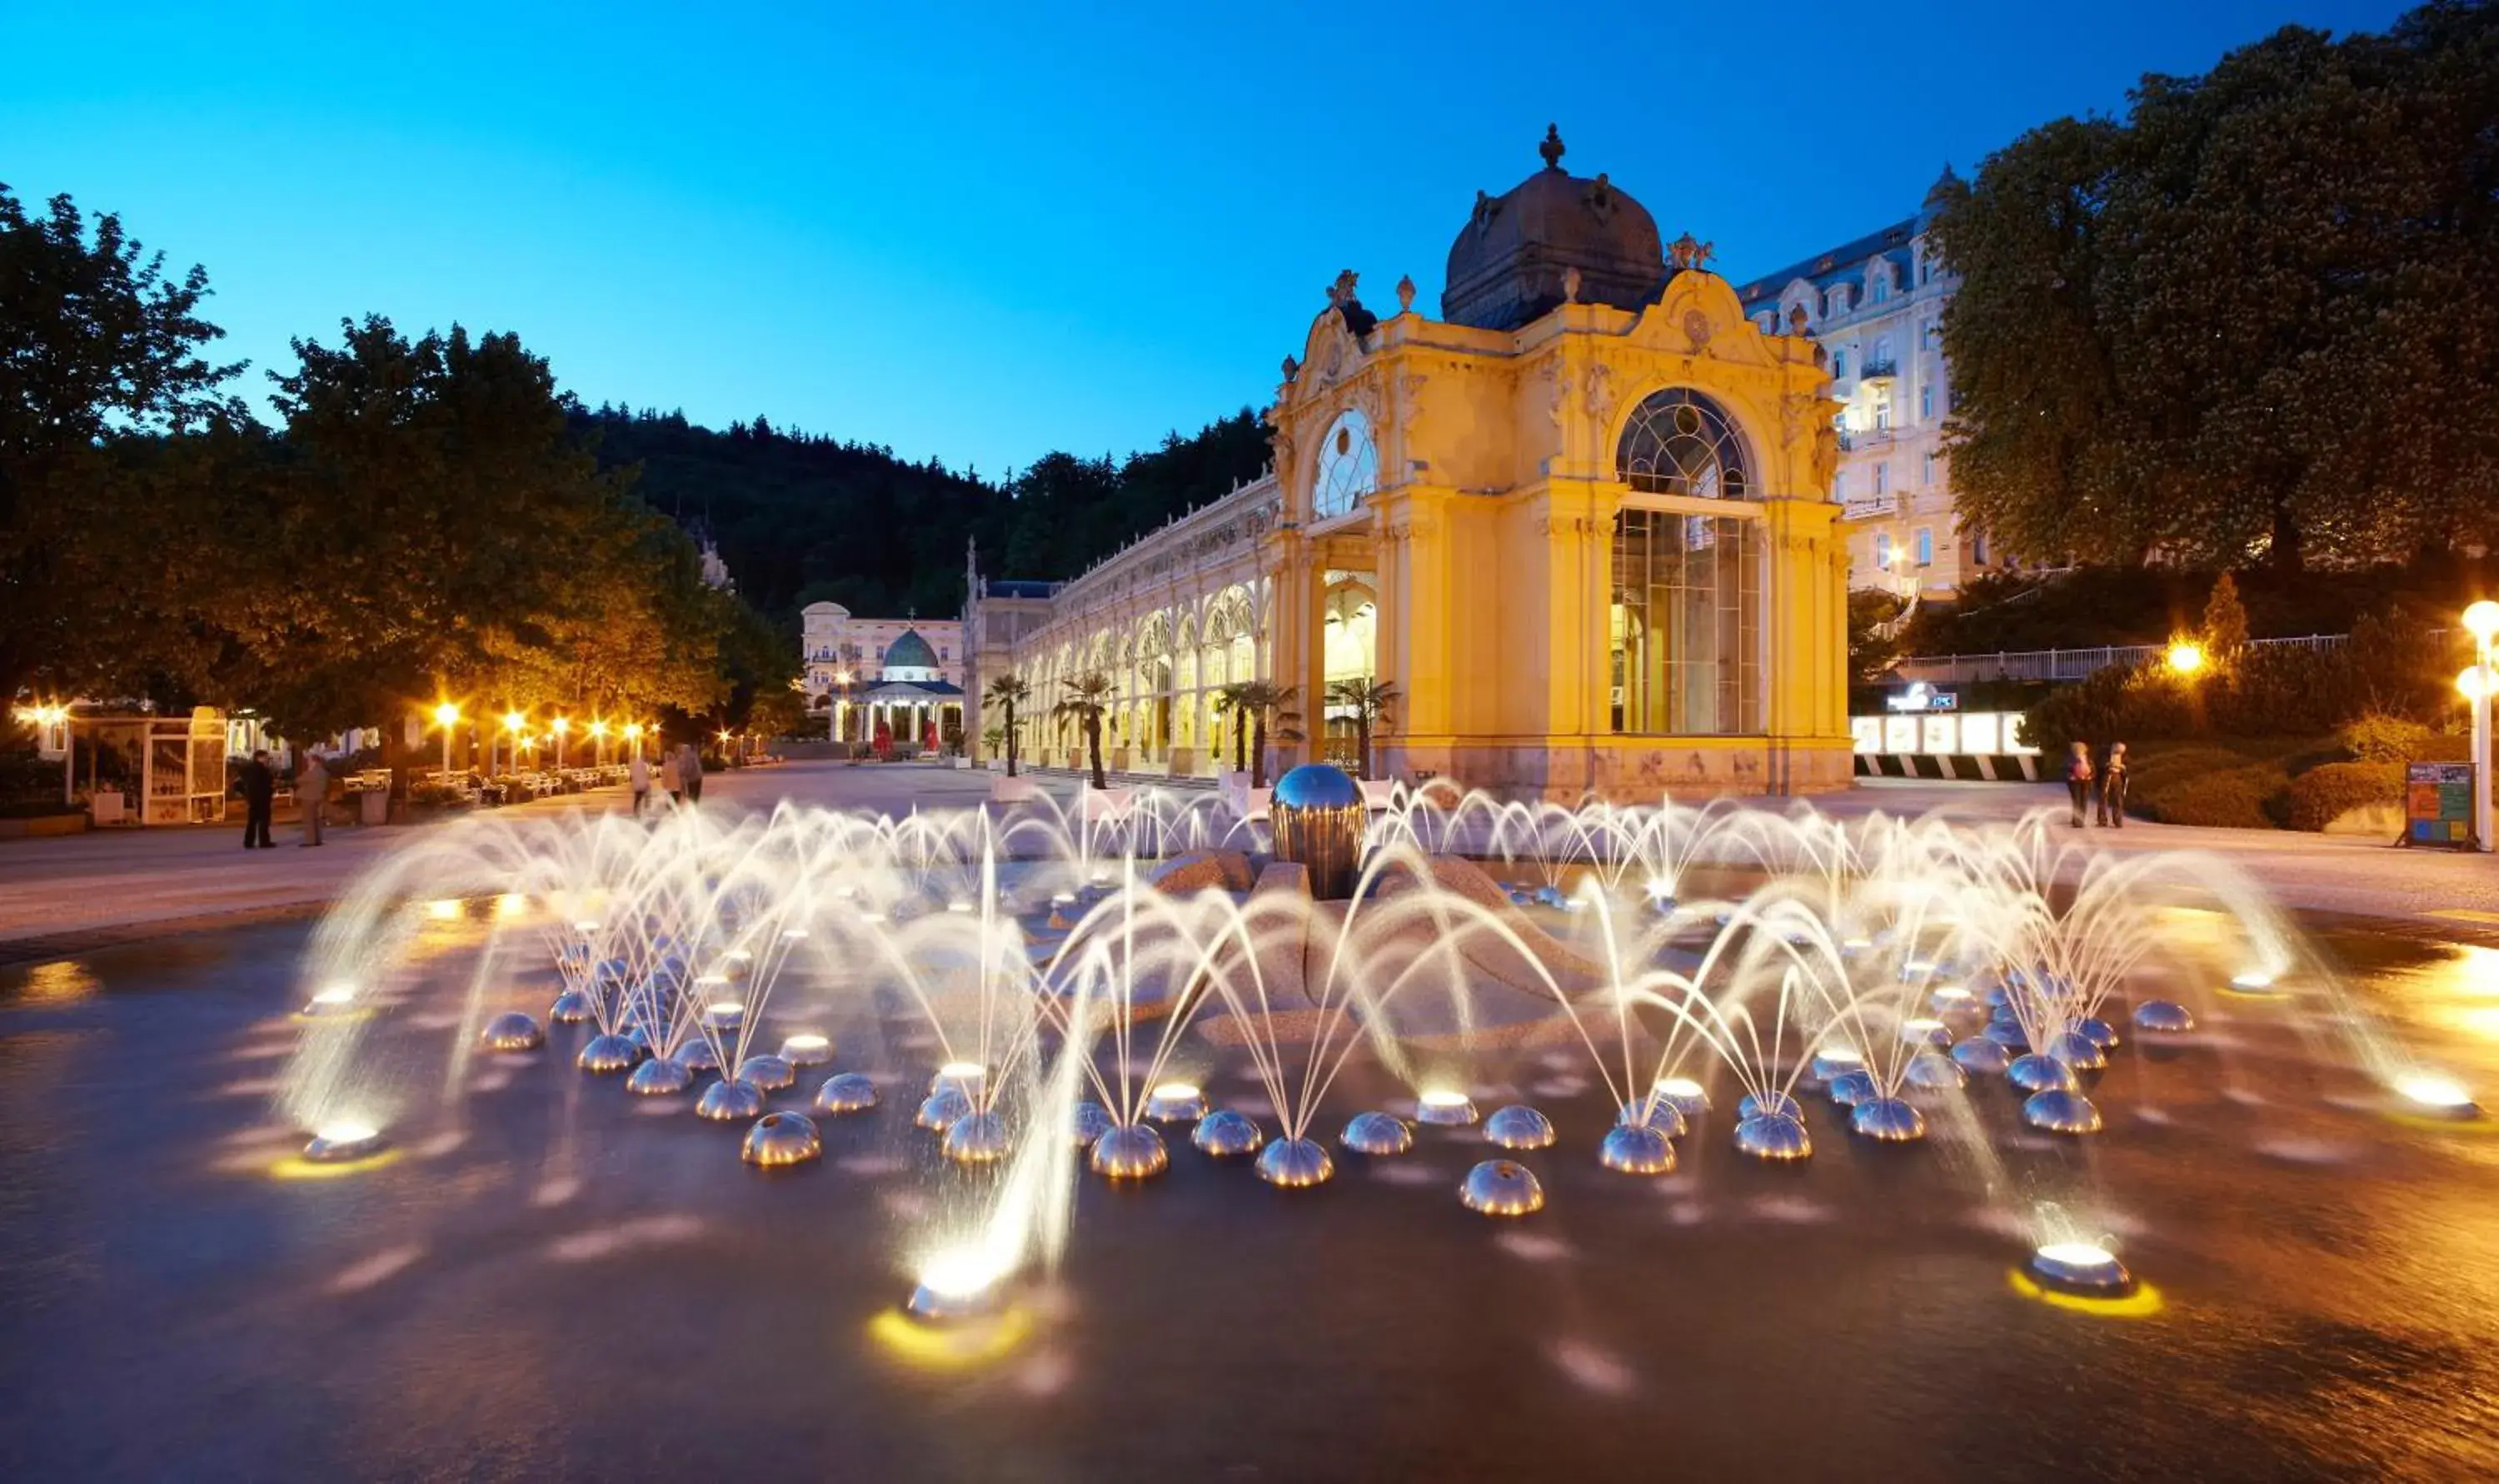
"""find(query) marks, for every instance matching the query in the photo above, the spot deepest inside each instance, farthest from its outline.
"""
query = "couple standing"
(258, 785)
(2110, 778)
(680, 773)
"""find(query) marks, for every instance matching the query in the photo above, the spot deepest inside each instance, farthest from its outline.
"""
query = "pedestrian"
(311, 795)
(2113, 788)
(2078, 783)
(259, 787)
(638, 773)
(691, 769)
(672, 775)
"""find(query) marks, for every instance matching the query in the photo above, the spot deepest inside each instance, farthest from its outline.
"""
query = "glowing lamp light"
(442, 908)
(333, 997)
(1678, 1088)
(596, 729)
(2184, 658)
(2252, 982)
(956, 1283)
(632, 732)
(1442, 1097)
(560, 725)
(513, 721)
(2435, 1092)
(2475, 682)
(446, 714)
(2482, 620)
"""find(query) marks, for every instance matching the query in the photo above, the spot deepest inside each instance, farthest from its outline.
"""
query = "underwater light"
(332, 997)
(585, 927)
(958, 906)
(1295, 1163)
(2436, 1092)
(2252, 980)
(807, 1049)
(1445, 1105)
(341, 1139)
(739, 956)
(442, 910)
(958, 1283)
(1175, 1103)
(1501, 1187)
(2083, 1268)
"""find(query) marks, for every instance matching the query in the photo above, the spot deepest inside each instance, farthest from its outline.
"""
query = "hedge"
(2234, 798)
(2321, 795)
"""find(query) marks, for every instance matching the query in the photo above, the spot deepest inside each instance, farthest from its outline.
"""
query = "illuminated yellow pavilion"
(1580, 521)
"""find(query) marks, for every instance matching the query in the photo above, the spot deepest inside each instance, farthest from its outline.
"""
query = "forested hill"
(802, 517)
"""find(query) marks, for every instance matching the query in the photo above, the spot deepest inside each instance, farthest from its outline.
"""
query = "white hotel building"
(1876, 306)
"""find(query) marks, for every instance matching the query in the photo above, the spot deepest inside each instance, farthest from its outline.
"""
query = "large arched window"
(1348, 467)
(1681, 442)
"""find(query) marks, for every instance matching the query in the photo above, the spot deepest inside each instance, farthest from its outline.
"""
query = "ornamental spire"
(1552, 148)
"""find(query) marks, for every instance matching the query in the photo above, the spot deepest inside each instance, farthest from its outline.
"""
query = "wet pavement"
(549, 1280)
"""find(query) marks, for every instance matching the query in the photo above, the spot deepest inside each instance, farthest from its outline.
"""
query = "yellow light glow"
(596, 729)
(1179, 1092)
(513, 721)
(1678, 1088)
(807, 1041)
(446, 714)
(2142, 1304)
(512, 904)
(442, 908)
(2432, 1089)
(560, 725)
(2186, 657)
(335, 994)
(723, 737)
(347, 1131)
(633, 732)
(960, 1273)
(1435, 1097)
(2482, 620)
(725, 1009)
(2474, 680)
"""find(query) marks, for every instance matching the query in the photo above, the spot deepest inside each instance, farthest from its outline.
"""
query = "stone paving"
(67, 894)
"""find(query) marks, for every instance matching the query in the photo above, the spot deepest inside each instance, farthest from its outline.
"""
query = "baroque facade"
(1876, 307)
(1579, 522)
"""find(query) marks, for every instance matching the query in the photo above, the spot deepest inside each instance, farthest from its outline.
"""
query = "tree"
(1008, 692)
(2253, 321)
(99, 350)
(1368, 701)
(1229, 701)
(1263, 701)
(1088, 699)
(1873, 641)
(2225, 621)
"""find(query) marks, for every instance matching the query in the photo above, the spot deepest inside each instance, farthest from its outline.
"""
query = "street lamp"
(514, 722)
(2482, 620)
(2185, 659)
(598, 738)
(57, 716)
(446, 716)
(560, 725)
(634, 735)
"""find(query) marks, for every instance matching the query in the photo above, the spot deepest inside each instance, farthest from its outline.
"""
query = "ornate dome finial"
(1552, 148)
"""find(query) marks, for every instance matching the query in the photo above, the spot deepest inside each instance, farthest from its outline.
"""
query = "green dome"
(910, 652)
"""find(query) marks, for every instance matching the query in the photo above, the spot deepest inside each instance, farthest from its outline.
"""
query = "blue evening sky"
(986, 231)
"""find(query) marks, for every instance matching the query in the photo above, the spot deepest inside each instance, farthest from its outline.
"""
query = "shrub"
(2121, 703)
(2374, 736)
(2320, 796)
(2150, 775)
(2237, 798)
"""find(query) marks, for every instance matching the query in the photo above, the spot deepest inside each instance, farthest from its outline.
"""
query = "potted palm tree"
(1088, 699)
(1007, 692)
(1367, 701)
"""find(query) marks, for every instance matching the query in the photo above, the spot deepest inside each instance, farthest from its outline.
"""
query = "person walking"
(312, 796)
(639, 774)
(2078, 783)
(2113, 788)
(671, 776)
(691, 770)
(258, 785)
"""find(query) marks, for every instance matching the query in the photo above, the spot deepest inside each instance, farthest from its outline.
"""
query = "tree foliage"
(2252, 319)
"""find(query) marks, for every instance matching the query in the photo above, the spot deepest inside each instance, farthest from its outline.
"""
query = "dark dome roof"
(910, 652)
(1506, 266)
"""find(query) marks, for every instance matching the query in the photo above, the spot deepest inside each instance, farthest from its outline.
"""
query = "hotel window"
(1931, 333)
(1978, 547)
(1883, 478)
(1927, 472)
(1883, 415)
(1883, 550)
(1882, 293)
(1882, 350)
(1838, 364)
(1926, 546)
(1348, 467)
(1685, 624)
(1835, 300)
(1925, 400)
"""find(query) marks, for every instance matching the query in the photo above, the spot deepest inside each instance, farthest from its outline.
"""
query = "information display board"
(2438, 804)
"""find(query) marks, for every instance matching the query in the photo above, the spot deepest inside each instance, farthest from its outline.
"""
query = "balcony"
(1881, 372)
(1863, 507)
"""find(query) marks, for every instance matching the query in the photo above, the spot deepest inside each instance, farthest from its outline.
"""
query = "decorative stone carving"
(1404, 293)
(1599, 394)
(1689, 252)
(1552, 148)
(1696, 329)
(1570, 285)
(1292, 368)
(1600, 199)
(1341, 292)
(1796, 319)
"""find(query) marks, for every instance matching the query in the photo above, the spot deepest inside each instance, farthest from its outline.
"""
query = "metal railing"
(2064, 663)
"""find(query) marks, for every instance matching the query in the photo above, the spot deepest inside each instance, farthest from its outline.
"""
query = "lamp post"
(446, 716)
(2482, 620)
(514, 722)
(560, 725)
(598, 739)
(634, 737)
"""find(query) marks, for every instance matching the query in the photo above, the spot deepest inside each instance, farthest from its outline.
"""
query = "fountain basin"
(659, 1076)
(1774, 1137)
(1377, 1134)
(846, 1092)
(511, 1031)
(1225, 1134)
(1634, 1149)
(1129, 1152)
(1501, 1187)
(1295, 1163)
(730, 1101)
(344, 1142)
(1518, 1127)
(779, 1140)
(2081, 1268)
